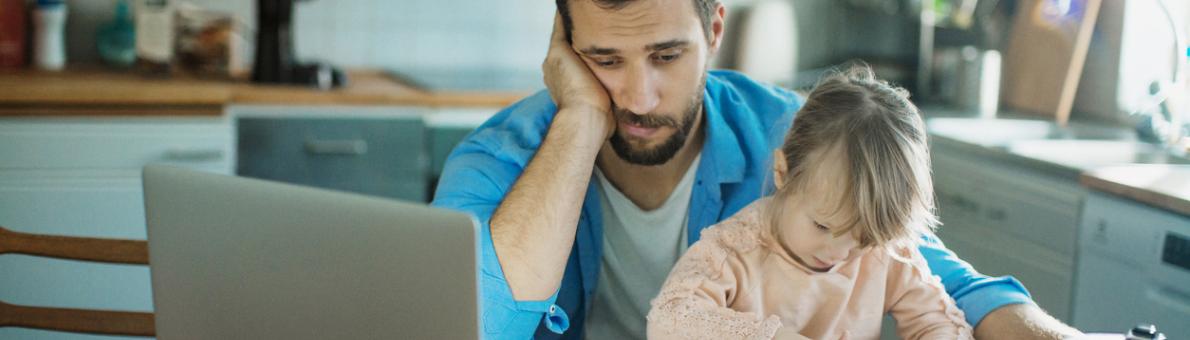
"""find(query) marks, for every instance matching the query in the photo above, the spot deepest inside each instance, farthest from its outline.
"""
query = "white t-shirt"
(639, 249)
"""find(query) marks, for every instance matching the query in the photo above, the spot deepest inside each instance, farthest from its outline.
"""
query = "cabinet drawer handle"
(965, 204)
(997, 215)
(349, 147)
(193, 155)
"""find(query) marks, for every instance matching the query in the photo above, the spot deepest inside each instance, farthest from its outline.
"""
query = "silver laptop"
(237, 258)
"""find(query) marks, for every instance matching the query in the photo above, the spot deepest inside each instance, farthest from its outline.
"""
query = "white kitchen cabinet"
(82, 177)
(1007, 218)
(1134, 267)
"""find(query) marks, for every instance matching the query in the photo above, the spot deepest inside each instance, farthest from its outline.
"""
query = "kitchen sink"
(996, 132)
(1093, 153)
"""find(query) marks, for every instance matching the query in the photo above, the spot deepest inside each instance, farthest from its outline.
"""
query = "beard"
(662, 153)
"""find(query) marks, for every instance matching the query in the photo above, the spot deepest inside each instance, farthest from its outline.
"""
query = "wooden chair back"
(69, 319)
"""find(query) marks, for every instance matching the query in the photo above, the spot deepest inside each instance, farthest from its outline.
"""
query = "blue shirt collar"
(722, 153)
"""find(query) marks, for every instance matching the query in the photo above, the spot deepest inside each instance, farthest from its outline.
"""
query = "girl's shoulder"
(742, 232)
(894, 255)
(904, 259)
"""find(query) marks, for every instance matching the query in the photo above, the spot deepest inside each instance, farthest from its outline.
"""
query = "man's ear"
(780, 169)
(717, 26)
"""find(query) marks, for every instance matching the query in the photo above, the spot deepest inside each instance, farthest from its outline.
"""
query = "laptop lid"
(238, 258)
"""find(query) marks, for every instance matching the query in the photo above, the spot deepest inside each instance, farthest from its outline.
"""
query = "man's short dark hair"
(705, 9)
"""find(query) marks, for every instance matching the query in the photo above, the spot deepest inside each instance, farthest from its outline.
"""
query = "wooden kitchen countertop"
(89, 91)
(1164, 186)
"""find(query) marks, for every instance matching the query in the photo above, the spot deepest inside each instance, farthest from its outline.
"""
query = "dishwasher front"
(1133, 268)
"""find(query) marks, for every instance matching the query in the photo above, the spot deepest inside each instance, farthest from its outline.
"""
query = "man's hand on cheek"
(580, 97)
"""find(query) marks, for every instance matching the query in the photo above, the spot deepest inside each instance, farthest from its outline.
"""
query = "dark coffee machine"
(274, 51)
(1144, 332)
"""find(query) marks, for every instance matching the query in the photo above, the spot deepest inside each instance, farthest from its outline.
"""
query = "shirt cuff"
(983, 298)
(555, 318)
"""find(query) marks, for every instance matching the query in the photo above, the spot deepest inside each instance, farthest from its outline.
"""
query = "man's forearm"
(534, 227)
(1022, 321)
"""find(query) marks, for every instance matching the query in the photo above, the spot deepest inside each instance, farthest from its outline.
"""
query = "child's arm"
(693, 303)
(919, 303)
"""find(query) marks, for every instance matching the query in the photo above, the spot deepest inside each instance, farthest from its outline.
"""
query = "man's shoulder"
(748, 105)
(731, 88)
(516, 131)
(531, 114)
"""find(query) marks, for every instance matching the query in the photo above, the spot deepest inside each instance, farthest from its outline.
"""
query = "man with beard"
(588, 192)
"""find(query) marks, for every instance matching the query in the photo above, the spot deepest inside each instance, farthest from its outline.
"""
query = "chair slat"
(78, 320)
(75, 248)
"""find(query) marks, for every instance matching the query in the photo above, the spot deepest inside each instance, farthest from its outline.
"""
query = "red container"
(12, 34)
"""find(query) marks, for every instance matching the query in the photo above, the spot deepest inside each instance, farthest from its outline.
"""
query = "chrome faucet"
(1160, 121)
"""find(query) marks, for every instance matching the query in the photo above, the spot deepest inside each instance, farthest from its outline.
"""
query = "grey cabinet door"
(375, 156)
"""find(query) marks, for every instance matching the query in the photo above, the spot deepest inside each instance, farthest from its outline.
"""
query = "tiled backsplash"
(429, 34)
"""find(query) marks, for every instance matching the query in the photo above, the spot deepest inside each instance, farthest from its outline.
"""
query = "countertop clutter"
(97, 92)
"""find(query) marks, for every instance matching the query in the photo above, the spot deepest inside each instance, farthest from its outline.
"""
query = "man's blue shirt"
(744, 122)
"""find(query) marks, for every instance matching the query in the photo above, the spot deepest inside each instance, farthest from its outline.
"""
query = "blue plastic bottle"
(116, 39)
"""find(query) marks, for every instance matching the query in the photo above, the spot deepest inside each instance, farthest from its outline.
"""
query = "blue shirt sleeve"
(976, 294)
(475, 181)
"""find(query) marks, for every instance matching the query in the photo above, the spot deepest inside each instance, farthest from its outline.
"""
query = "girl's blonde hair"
(882, 140)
